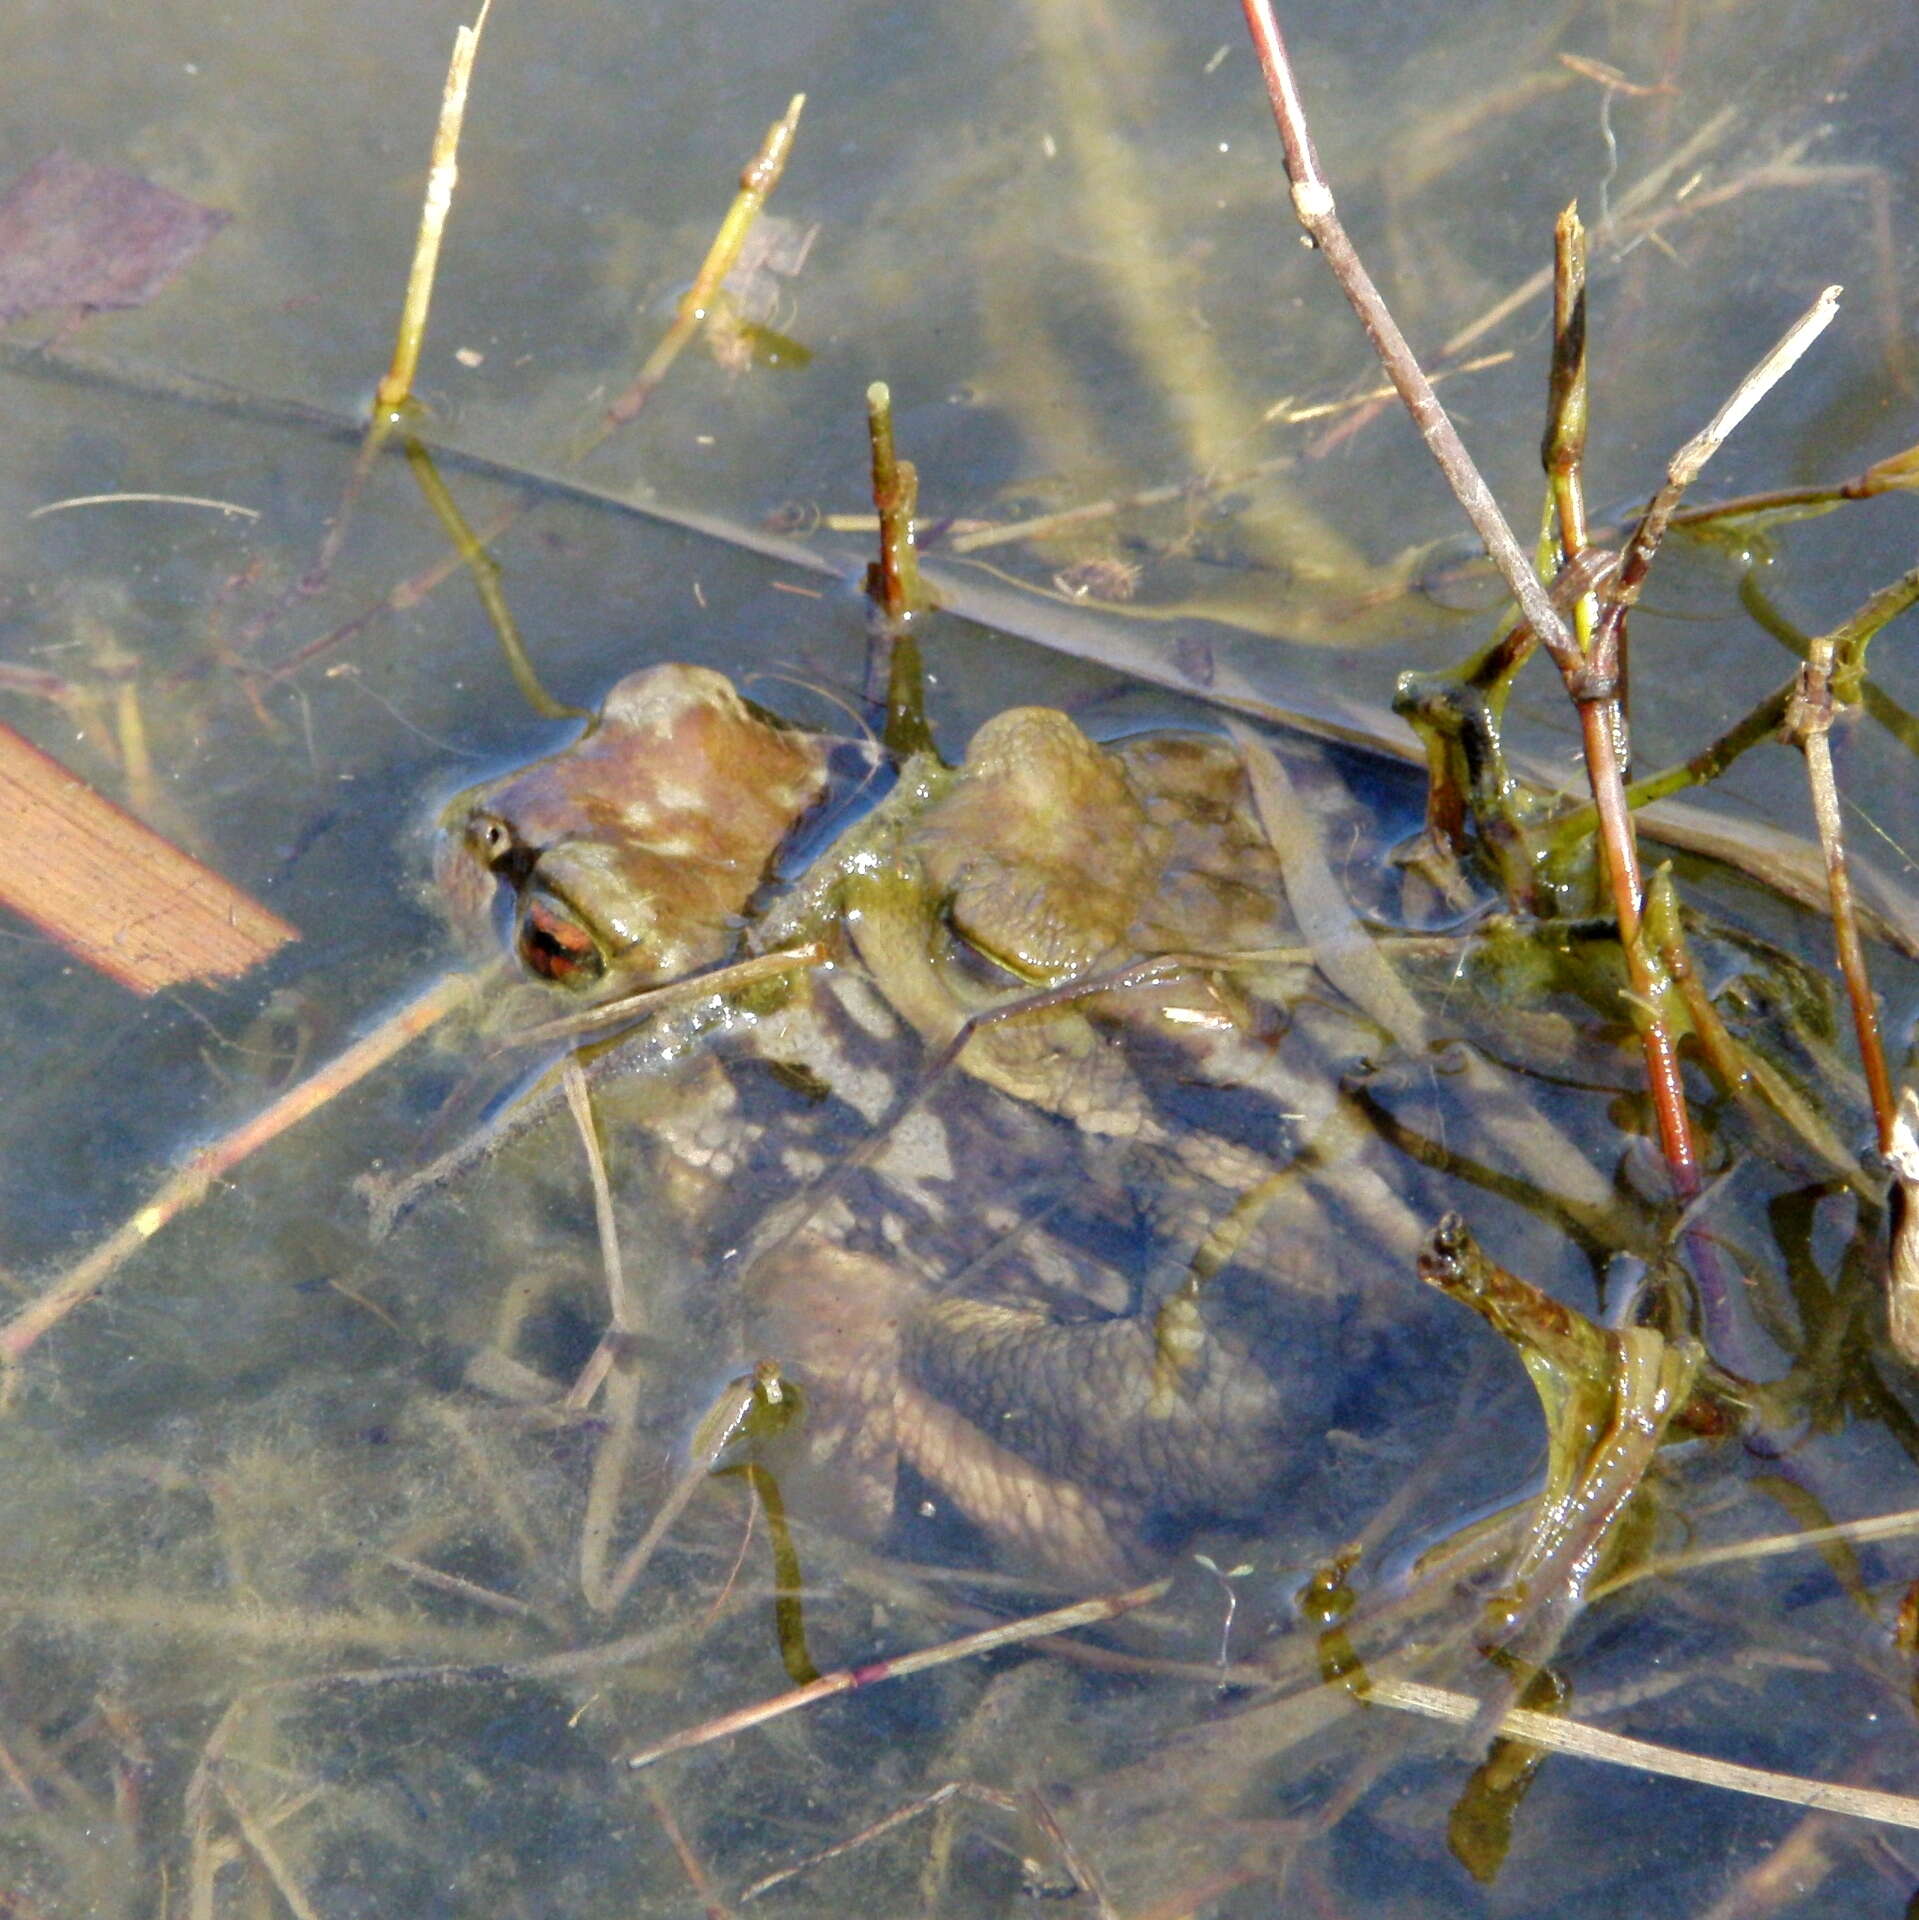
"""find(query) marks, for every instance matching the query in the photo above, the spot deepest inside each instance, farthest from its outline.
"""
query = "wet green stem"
(487, 583)
(761, 176)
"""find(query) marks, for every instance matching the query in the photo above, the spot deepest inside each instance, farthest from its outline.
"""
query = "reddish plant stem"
(1595, 682)
(1601, 725)
(895, 581)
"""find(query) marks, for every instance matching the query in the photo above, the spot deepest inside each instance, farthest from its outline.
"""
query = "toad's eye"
(552, 943)
(499, 850)
(490, 838)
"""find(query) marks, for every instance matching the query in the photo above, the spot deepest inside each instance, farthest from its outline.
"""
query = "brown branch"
(1313, 204)
(1590, 682)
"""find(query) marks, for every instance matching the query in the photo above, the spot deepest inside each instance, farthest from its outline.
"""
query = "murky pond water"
(315, 1597)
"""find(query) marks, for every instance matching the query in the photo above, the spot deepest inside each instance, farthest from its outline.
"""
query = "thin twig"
(469, 1590)
(620, 1306)
(1287, 413)
(885, 1824)
(1685, 466)
(1083, 1613)
(690, 1863)
(1895, 472)
(260, 1844)
(734, 1404)
(1849, 1533)
(476, 556)
(615, 1453)
(1810, 724)
(192, 1183)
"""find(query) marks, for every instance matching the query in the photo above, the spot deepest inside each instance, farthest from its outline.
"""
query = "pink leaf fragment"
(77, 235)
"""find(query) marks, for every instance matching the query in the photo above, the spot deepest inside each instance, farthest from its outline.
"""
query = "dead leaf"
(77, 235)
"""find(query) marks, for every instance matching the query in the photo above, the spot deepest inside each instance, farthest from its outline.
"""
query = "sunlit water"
(1059, 231)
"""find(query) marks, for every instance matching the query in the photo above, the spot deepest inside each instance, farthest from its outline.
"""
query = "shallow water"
(1058, 230)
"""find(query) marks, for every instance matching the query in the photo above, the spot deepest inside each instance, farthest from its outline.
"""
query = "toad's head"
(630, 857)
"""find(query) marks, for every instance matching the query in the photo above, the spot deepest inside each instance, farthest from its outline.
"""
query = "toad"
(1039, 1188)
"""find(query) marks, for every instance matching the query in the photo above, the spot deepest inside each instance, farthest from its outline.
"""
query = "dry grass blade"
(112, 891)
(231, 508)
(1559, 1735)
(1848, 1533)
(396, 385)
(621, 1307)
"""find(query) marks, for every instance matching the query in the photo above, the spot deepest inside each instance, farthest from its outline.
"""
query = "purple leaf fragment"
(77, 235)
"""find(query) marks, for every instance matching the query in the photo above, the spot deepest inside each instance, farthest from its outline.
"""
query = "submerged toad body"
(1038, 1187)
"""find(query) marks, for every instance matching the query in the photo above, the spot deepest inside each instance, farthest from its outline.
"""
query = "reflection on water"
(296, 1615)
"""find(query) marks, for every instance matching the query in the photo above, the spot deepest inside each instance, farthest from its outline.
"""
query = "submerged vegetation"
(879, 1363)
